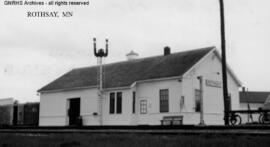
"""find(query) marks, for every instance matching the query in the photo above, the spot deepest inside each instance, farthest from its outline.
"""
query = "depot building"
(141, 91)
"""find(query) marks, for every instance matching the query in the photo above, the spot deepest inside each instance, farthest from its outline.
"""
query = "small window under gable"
(143, 106)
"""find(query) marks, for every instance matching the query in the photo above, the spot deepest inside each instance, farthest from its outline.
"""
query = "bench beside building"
(141, 91)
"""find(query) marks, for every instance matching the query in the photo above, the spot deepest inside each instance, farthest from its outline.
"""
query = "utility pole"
(100, 54)
(224, 68)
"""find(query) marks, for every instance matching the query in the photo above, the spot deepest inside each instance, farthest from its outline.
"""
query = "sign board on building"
(212, 83)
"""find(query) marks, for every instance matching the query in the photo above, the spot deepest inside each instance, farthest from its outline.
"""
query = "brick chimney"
(167, 50)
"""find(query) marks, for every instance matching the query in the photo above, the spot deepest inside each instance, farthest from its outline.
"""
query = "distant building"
(14, 113)
(141, 91)
(6, 101)
(6, 111)
(254, 100)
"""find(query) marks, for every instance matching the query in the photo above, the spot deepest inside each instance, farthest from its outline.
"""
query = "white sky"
(35, 51)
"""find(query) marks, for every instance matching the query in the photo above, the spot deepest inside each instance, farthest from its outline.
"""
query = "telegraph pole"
(100, 54)
(224, 68)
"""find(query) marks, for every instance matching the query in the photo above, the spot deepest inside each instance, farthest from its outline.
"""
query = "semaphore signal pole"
(100, 54)
(223, 60)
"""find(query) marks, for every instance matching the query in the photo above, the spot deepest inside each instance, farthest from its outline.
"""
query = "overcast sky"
(35, 51)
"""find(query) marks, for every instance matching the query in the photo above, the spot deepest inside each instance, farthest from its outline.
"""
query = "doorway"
(15, 115)
(74, 110)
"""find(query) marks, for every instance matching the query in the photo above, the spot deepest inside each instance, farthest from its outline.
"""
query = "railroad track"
(254, 130)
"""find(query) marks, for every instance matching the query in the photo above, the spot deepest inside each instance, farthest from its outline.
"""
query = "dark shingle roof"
(253, 96)
(125, 73)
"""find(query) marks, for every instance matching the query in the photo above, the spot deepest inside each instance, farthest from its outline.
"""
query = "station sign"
(212, 83)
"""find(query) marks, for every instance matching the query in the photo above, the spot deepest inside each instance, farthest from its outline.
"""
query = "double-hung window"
(115, 102)
(164, 100)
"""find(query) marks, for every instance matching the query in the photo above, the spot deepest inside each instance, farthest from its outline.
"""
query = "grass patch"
(130, 140)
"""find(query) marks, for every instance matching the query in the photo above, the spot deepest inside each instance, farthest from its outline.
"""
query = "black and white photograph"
(80, 73)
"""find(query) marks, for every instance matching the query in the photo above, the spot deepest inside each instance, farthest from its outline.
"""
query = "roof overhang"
(68, 89)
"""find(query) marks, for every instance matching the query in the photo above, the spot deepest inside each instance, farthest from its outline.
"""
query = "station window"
(143, 106)
(115, 102)
(119, 103)
(133, 102)
(112, 102)
(164, 100)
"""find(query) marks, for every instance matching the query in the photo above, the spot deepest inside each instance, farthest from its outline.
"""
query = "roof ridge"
(135, 60)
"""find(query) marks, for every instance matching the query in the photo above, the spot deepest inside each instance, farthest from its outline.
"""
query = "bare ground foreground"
(130, 140)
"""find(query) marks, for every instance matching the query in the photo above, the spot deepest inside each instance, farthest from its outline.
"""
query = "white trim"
(116, 88)
(68, 89)
(155, 80)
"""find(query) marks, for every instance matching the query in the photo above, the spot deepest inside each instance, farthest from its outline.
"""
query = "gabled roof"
(253, 96)
(229, 70)
(122, 74)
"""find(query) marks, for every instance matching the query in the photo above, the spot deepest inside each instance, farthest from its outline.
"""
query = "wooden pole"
(224, 68)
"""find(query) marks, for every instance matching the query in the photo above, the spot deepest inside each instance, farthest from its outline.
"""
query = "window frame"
(164, 100)
(112, 103)
(117, 103)
(143, 106)
(133, 102)
(118, 97)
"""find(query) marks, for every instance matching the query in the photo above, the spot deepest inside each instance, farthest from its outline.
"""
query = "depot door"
(15, 115)
(74, 110)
